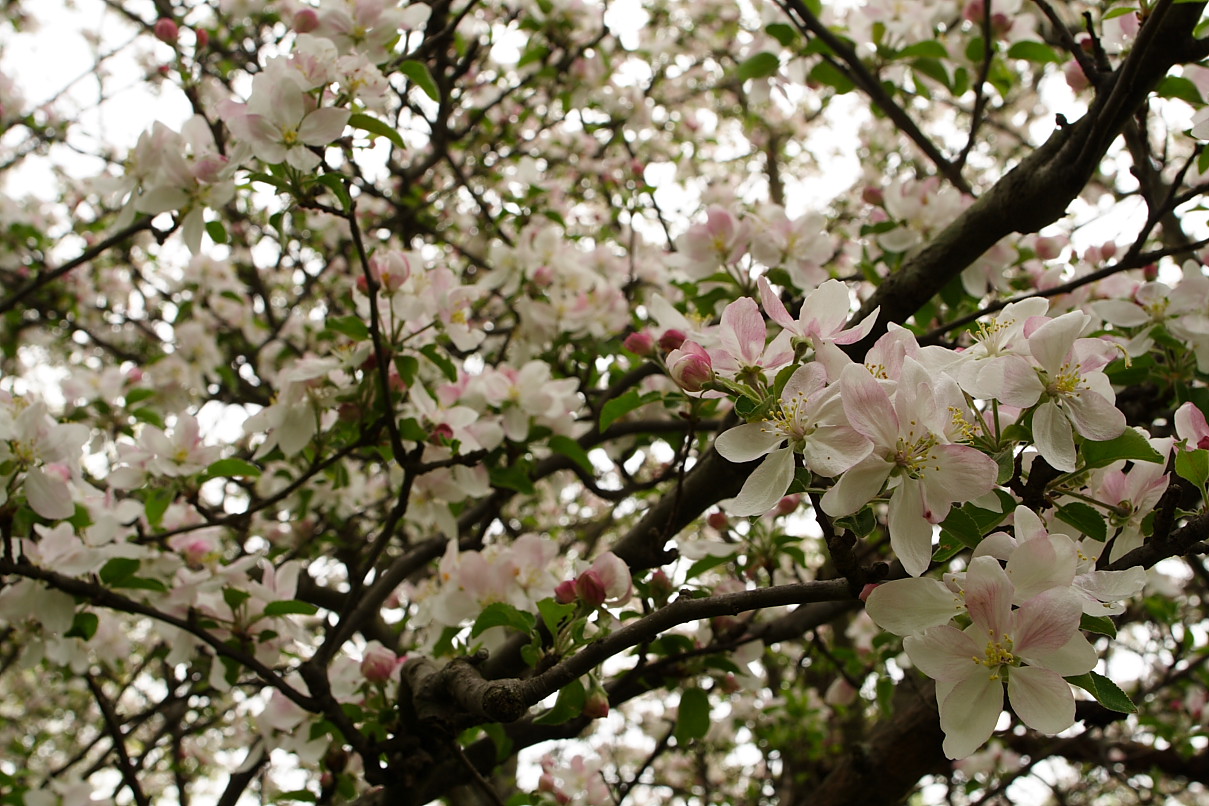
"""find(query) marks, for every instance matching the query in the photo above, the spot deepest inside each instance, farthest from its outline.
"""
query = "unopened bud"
(718, 520)
(788, 504)
(590, 588)
(202, 37)
(379, 663)
(671, 340)
(166, 30)
(597, 705)
(640, 343)
(865, 591)
(306, 20)
(564, 592)
(661, 585)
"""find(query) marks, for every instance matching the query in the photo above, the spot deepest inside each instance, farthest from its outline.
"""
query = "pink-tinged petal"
(1042, 563)
(825, 309)
(765, 487)
(1015, 381)
(989, 595)
(832, 450)
(1046, 622)
(323, 126)
(1095, 417)
(47, 495)
(958, 473)
(806, 381)
(1120, 312)
(868, 406)
(910, 531)
(1191, 426)
(1053, 437)
(774, 307)
(742, 331)
(1041, 699)
(999, 545)
(1051, 342)
(856, 487)
(907, 606)
(743, 443)
(860, 330)
(1028, 524)
(969, 713)
(945, 653)
(1110, 586)
(1074, 657)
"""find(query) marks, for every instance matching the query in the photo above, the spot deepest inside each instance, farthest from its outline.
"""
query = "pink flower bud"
(788, 504)
(730, 684)
(379, 663)
(441, 434)
(306, 20)
(974, 11)
(1076, 79)
(166, 30)
(717, 520)
(671, 340)
(543, 276)
(865, 591)
(1047, 247)
(1108, 250)
(590, 588)
(640, 343)
(874, 196)
(1150, 272)
(690, 367)
(564, 592)
(661, 585)
(597, 705)
(202, 37)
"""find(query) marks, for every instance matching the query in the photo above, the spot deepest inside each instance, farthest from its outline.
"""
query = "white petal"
(1041, 699)
(747, 442)
(968, 715)
(907, 606)
(765, 487)
(50, 497)
(1053, 437)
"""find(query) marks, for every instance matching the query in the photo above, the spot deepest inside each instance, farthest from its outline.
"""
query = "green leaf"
(1119, 12)
(554, 614)
(1106, 692)
(352, 326)
(375, 126)
(419, 74)
(705, 563)
(502, 614)
(1130, 445)
(762, 65)
(693, 720)
(827, 73)
(216, 231)
(290, 607)
(1193, 466)
(118, 570)
(573, 451)
(514, 477)
(233, 466)
(1101, 625)
(83, 625)
(622, 405)
(963, 527)
(433, 353)
(335, 183)
(1034, 52)
(1085, 518)
(782, 32)
(570, 704)
(535, 53)
(928, 49)
(1179, 87)
(157, 503)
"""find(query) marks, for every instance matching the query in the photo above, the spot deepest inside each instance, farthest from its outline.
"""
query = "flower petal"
(765, 487)
(1041, 699)
(746, 442)
(968, 715)
(907, 606)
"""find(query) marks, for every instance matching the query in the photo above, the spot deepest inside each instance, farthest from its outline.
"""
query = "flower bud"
(640, 343)
(660, 585)
(788, 504)
(543, 276)
(865, 591)
(718, 520)
(564, 592)
(590, 588)
(690, 367)
(306, 20)
(597, 704)
(201, 38)
(379, 663)
(166, 30)
(671, 340)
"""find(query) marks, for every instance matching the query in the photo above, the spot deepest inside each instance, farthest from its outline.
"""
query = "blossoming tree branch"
(600, 402)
